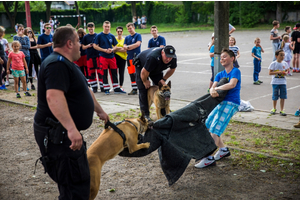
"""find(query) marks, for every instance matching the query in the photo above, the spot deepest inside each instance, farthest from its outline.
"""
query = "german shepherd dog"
(110, 143)
(160, 95)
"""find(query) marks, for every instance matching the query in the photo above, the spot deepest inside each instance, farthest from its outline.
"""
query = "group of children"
(283, 48)
(15, 64)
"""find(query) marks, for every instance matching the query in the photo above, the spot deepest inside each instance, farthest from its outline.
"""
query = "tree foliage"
(244, 13)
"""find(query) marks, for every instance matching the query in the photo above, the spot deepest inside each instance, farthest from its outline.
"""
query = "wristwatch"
(164, 79)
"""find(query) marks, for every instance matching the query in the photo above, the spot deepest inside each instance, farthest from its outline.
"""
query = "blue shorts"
(219, 118)
(279, 91)
(18, 73)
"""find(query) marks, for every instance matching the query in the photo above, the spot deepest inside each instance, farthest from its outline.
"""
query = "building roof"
(70, 3)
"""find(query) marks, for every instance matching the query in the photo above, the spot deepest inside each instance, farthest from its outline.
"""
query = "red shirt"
(17, 60)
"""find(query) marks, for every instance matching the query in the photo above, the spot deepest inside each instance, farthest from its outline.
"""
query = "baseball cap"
(296, 26)
(170, 51)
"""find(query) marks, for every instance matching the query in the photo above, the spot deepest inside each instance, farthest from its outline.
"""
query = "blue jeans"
(257, 68)
(275, 47)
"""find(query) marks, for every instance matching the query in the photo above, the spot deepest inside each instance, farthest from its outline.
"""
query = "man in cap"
(150, 64)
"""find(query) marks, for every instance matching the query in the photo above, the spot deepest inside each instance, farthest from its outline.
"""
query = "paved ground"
(192, 75)
(191, 78)
(119, 103)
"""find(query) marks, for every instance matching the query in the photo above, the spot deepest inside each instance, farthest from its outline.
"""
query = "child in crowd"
(286, 46)
(278, 70)
(236, 51)
(211, 55)
(275, 38)
(212, 41)
(17, 60)
(288, 31)
(295, 37)
(297, 113)
(256, 53)
(3, 58)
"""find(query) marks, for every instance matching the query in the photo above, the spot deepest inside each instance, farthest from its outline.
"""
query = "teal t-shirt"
(212, 50)
(257, 52)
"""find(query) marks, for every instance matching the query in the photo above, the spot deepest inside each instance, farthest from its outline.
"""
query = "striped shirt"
(235, 49)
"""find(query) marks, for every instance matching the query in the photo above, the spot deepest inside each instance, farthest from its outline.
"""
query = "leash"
(113, 126)
(131, 124)
(119, 131)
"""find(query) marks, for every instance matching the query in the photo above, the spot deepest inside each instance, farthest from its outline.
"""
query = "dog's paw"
(150, 125)
(147, 144)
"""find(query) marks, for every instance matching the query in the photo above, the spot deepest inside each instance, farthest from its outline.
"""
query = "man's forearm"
(133, 46)
(169, 73)
(41, 46)
(97, 106)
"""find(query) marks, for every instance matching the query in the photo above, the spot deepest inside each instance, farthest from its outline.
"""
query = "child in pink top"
(17, 60)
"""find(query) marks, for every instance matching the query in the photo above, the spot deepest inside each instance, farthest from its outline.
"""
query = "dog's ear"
(143, 117)
(169, 84)
(159, 85)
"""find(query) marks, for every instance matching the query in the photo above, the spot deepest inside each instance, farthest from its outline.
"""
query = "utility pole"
(28, 16)
(221, 32)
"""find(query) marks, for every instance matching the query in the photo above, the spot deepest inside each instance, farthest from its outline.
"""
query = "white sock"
(224, 148)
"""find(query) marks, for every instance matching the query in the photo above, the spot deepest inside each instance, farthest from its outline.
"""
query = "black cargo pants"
(68, 168)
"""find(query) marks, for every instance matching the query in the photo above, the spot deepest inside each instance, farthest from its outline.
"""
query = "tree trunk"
(78, 13)
(278, 12)
(48, 10)
(240, 12)
(188, 10)
(12, 18)
(133, 8)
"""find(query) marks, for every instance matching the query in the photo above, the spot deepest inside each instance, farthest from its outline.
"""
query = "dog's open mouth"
(167, 95)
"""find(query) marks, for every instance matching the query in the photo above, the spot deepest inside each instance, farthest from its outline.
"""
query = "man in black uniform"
(65, 106)
(150, 64)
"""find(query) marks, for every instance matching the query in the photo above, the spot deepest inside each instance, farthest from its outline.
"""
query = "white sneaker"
(221, 154)
(6, 83)
(205, 162)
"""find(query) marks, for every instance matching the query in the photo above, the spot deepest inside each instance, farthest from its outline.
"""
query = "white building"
(63, 5)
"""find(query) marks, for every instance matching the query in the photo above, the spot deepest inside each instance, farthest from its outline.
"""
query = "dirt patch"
(10, 95)
(133, 178)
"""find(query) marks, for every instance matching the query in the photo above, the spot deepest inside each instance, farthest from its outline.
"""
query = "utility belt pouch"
(135, 60)
(57, 132)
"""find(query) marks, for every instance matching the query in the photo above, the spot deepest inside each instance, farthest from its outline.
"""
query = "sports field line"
(292, 88)
(207, 57)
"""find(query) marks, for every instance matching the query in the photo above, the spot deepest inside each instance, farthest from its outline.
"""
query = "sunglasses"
(119, 31)
(29, 32)
(90, 25)
(48, 27)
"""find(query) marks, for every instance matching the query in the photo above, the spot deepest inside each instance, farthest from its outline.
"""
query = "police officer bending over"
(151, 63)
(65, 106)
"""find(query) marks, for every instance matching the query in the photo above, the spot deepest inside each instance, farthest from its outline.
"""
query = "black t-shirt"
(294, 36)
(2, 53)
(151, 60)
(90, 52)
(70, 80)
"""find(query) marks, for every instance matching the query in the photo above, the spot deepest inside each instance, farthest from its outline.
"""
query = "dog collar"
(131, 124)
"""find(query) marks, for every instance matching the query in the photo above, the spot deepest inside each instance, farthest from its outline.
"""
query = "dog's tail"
(163, 112)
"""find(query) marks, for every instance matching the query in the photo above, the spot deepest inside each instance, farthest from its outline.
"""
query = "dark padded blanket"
(181, 136)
